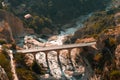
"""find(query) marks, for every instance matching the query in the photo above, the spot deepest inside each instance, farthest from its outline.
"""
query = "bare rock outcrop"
(29, 59)
(11, 27)
(3, 75)
(117, 56)
(61, 64)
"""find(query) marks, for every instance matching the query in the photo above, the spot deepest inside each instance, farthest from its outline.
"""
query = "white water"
(59, 40)
(70, 31)
(56, 72)
(78, 25)
(62, 37)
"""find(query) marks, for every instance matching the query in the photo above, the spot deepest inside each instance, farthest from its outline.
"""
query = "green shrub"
(38, 23)
(24, 74)
(4, 47)
(4, 62)
(19, 58)
(2, 41)
(115, 75)
(98, 57)
(112, 41)
(105, 31)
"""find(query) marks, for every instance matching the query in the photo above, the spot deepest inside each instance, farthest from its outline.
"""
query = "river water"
(70, 31)
(60, 67)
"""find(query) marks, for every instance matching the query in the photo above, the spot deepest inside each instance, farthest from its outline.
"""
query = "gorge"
(51, 25)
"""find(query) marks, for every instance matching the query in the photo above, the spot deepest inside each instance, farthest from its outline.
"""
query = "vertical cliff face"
(3, 75)
(117, 55)
(67, 64)
(11, 27)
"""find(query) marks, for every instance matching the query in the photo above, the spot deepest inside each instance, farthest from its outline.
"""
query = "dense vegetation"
(49, 12)
(5, 63)
(26, 72)
(102, 61)
(101, 25)
(59, 10)
(99, 22)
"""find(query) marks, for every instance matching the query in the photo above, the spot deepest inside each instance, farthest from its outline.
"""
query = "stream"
(61, 65)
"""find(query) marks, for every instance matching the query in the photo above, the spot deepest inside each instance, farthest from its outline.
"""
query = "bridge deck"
(52, 48)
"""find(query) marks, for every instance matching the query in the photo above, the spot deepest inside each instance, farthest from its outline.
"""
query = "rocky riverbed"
(63, 64)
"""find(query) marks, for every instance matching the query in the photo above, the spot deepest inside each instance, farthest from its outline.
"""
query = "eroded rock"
(61, 64)
(29, 59)
(117, 55)
(10, 26)
(3, 75)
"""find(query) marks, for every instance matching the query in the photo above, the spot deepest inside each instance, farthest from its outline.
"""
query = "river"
(59, 65)
(62, 65)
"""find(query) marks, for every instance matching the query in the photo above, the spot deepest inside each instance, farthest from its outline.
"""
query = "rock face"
(117, 55)
(117, 17)
(29, 58)
(62, 64)
(11, 27)
(3, 75)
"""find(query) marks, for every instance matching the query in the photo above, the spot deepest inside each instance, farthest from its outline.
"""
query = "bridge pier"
(48, 63)
(59, 62)
(70, 58)
(34, 54)
(49, 71)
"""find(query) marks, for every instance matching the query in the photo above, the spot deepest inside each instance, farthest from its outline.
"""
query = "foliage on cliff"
(10, 26)
(57, 11)
(5, 63)
(102, 60)
(25, 72)
(95, 25)
(101, 26)
(39, 23)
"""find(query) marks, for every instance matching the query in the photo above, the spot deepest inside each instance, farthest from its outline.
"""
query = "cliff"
(3, 75)
(11, 27)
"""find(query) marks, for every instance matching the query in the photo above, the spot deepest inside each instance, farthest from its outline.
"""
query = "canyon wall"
(11, 27)
(3, 75)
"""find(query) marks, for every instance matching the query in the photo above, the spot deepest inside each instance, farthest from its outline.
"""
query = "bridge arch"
(46, 51)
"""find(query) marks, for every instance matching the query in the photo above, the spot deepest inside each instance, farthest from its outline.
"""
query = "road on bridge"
(52, 48)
